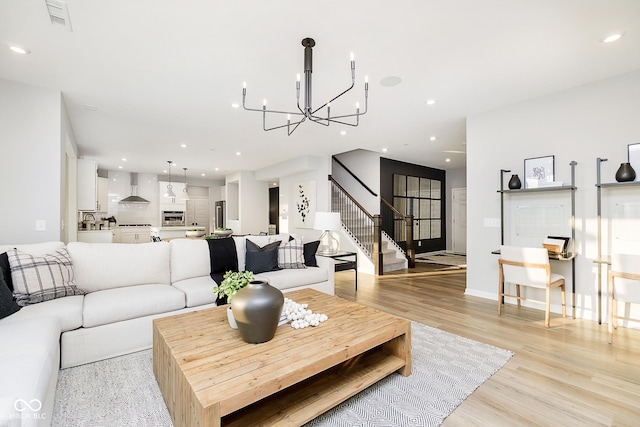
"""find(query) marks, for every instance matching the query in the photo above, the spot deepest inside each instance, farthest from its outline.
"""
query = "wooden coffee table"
(208, 376)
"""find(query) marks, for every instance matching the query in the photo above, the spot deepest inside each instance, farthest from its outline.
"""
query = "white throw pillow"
(41, 278)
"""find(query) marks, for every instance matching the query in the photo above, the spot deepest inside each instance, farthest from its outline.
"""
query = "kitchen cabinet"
(103, 195)
(198, 213)
(133, 235)
(91, 191)
(87, 185)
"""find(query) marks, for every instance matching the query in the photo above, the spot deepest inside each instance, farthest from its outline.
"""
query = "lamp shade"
(327, 221)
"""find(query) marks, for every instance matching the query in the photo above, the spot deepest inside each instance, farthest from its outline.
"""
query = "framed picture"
(304, 198)
(634, 158)
(539, 171)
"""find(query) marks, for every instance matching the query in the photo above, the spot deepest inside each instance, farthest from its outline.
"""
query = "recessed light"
(238, 153)
(235, 105)
(183, 145)
(384, 150)
(275, 183)
(343, 132)
(433, 138)
(431, 101)
(202, 174)
(119, 167)
(447, 160)
(123, 159)
(217, 169)
(612, 37)
(16, 48)
(164, 171)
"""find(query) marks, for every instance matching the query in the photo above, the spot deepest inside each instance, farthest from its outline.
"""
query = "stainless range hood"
(134, 198)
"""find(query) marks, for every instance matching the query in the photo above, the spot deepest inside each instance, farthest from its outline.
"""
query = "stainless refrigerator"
(219, 214)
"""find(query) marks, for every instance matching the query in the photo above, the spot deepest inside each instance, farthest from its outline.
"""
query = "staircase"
(393, 257)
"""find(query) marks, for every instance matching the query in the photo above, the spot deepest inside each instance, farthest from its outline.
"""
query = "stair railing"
(400, 233)
(364, 228)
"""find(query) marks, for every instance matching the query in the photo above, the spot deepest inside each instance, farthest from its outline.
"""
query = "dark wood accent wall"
(390, 167)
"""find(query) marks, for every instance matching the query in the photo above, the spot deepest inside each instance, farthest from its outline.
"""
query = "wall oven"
(172, 218)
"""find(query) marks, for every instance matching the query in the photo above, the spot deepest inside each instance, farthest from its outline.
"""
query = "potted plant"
(232, 282)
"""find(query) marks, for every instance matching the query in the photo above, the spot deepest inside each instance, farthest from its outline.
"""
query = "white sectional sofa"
(126, 286)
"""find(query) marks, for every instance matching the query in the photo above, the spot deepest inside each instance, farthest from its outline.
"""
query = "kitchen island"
(176, 232)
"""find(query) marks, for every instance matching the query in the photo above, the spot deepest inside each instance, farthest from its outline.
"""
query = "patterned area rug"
(446, 369)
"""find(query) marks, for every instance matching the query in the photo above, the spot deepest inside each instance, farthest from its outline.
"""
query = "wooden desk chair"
(624, 285)
(528, 267)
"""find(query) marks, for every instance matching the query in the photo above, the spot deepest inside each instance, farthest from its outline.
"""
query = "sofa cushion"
(30, 358)
(293, 278)
(189, 258)
(261, 258)
(197, 290)
(310, 250)
(114, 305)
(7, 304)
(100, 266)
(41, 278)
(291, 254)
(67, 310)
(37, 249)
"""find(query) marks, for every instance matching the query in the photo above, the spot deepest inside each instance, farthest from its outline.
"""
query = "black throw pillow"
(6, 270)
(223, 257)
(261, 259)
(310, 253)
(7, 304)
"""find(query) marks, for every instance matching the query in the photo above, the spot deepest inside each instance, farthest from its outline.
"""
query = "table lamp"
(328, 222)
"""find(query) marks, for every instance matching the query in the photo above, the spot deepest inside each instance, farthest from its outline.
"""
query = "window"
(422, 198)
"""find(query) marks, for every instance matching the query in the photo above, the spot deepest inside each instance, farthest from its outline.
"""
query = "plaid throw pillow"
(41, 278)
(291, 254)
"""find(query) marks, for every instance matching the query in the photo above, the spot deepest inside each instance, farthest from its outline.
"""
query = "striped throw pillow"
(41, 278)
(291, 254)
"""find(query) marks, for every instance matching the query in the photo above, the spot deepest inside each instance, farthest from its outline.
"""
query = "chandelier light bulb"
(357, 105)
(244, 85)
(305, 110)
(366, 79)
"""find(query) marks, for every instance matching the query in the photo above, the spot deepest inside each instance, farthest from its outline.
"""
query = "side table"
(345, 261)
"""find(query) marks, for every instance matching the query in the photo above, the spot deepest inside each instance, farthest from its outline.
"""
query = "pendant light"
(185, 191)
(169, 192)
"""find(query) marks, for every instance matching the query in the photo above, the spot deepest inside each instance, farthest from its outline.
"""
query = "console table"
(345, 261)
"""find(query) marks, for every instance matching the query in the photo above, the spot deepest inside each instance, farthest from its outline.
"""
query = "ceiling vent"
(59, 14)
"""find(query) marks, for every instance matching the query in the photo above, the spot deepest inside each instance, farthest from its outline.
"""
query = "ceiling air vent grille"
(59, 14)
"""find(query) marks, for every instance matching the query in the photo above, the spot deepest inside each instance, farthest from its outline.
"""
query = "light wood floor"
(563, 376)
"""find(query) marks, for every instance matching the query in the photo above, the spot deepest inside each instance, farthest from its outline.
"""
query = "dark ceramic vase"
(625, 173)
(515, 183)
(257, 308)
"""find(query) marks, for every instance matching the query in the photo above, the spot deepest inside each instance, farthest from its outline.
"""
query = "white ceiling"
(165, 72)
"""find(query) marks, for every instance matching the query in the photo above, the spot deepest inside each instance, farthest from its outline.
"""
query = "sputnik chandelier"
(320, 115)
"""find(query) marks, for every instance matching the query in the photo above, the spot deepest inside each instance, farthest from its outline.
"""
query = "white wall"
(595, 120)
(318, 171)
(33, 167)
(252, 203)
(366, 166)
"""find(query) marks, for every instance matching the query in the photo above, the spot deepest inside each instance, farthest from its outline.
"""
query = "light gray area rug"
(446, 369)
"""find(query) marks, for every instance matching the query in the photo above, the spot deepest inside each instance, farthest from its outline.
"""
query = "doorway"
(459, 220)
